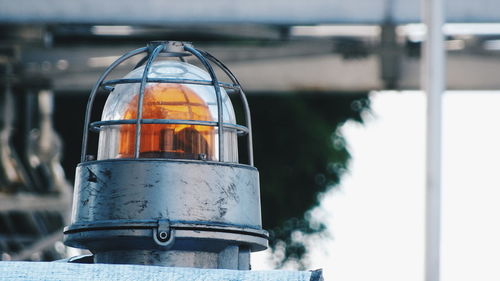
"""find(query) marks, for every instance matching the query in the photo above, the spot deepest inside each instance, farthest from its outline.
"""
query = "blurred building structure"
(61, 47)
(370, 45)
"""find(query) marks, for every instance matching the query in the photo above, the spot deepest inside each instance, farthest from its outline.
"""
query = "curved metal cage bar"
(169, 80)
(244, 100)
(215, 83)
(93, 93)
(168, 48)
(95, 126)
(138, 126)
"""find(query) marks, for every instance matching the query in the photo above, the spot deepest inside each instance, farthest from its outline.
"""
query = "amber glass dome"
(172, 102)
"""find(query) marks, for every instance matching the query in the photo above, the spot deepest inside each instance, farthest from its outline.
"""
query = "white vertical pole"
(433, 75)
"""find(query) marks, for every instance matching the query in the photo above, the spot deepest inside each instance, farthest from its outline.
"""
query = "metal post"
(433, 83)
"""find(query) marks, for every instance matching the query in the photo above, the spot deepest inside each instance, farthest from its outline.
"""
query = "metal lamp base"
(167, 212)
(232, 257)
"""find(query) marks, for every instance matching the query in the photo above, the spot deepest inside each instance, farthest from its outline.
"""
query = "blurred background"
(338, 118)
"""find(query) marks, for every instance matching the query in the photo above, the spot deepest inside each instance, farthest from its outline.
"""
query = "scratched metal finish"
(142, 239)
(170, 258)
(190, 191)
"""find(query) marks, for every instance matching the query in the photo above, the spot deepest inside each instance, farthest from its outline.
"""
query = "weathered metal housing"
(189, 213)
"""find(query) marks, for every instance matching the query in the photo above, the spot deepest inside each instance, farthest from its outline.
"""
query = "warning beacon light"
(166, 187)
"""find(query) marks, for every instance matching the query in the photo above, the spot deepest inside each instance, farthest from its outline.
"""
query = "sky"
(376, 215)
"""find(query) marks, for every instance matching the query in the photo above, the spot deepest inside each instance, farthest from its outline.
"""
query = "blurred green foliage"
(298, 150)
(300, 153)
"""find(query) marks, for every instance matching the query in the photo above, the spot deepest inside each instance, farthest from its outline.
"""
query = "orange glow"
(169, 101)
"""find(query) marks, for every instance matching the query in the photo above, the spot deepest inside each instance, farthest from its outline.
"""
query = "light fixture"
(167, 187)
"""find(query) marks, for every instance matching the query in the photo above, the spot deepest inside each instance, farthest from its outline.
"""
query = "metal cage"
(170, 49)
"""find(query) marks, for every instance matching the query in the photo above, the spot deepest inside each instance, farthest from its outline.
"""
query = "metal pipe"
(433, 83)
(44, 151)
(12, 173)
